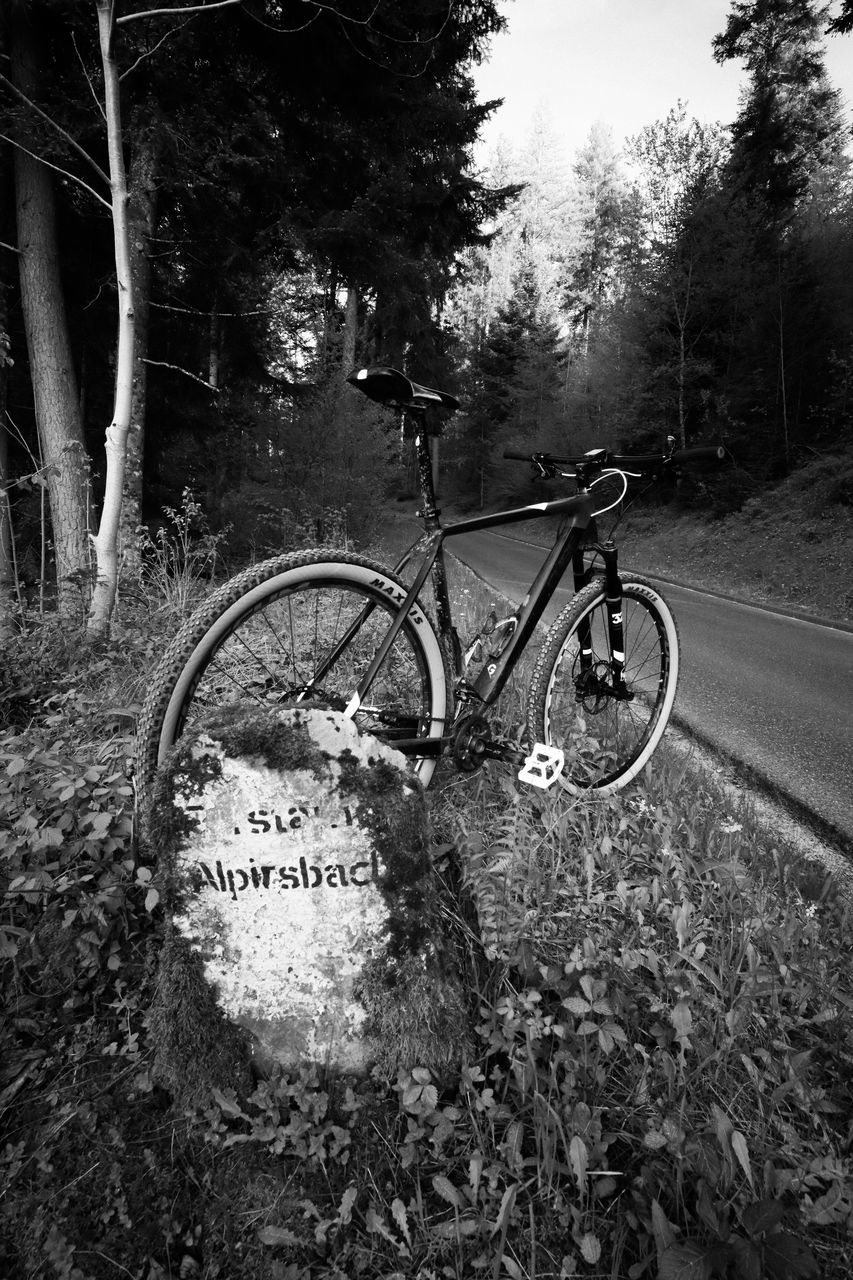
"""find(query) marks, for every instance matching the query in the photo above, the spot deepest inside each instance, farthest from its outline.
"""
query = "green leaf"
(447, 1191)
(580, 1160)
(398, 1213)
(741, 1150)
(787, 1258)
(277, 1235)
(685, 1260)
(228, 1106)
(682, 1019)
(576, 1005)
(590, 1247)
(507, 1205)
(663, 1232)
(345, 1207)
(152, 897)
(762, 1216)
(835, 1205)
(746, 1259)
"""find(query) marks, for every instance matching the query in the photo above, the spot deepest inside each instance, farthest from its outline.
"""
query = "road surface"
(772, 693)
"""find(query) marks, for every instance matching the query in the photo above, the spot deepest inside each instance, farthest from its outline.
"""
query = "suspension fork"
(615, 624)
(582, 575)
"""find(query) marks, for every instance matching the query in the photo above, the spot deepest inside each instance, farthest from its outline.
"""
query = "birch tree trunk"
(106, 542)
(350, 332)
(142, 213)
(55, 395)
(7, 562)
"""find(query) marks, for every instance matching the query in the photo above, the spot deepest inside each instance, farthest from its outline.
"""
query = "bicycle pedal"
(542, 767)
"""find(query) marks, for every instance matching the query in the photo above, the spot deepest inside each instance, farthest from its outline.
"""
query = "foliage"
(182, 558)
(661, 1083)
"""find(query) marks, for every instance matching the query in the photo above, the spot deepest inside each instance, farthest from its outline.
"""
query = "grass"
(662, 1080)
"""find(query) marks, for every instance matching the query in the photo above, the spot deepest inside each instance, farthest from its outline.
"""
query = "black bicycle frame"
(429, 548)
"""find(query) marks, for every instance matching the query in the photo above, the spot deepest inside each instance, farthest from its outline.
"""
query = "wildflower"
(730, 826)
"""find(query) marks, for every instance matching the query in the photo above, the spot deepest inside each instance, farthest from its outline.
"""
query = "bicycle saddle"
(390, 387)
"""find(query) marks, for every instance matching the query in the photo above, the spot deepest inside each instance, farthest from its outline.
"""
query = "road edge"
(786, 611)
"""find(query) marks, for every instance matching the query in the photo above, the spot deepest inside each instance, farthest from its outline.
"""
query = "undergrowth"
(662, 1078)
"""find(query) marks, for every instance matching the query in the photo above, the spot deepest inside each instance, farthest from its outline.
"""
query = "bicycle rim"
(608, 739)
(301, 633)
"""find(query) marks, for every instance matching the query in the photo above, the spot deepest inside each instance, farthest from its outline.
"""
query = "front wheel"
(300, 628)
(608, 732)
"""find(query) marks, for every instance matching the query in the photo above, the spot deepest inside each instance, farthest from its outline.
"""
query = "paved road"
(773, 693)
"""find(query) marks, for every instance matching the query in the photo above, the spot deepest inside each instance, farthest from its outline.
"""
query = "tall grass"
(660, 1003)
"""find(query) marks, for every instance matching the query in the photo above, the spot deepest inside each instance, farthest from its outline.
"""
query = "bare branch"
(149, 53)
(345, 17)
(65, 172)
(164, 364)
(97, 100)
(10, 247)
(366, 22)
(283, 31)
(190, 8)
(194, 311)
(58, 127)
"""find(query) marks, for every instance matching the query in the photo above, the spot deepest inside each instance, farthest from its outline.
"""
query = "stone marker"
(294, 859)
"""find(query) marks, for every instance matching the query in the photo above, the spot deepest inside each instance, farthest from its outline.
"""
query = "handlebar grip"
(518, 457)
(700, 453)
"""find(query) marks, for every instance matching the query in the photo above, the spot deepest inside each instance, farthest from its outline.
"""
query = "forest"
(300, 195)
(210, 212)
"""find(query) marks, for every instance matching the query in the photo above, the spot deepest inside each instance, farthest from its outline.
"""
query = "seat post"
(429, 511)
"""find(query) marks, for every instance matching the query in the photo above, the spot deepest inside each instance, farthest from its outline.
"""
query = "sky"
(623, 62)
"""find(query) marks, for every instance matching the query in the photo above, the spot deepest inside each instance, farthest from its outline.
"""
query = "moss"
(164, 824)
(398, 822)
(264, 737)
(195, 1048)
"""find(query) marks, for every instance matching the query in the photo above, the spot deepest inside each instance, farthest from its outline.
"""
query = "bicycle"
(347, 633)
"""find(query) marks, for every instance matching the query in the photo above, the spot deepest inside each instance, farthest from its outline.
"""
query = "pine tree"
(607, 210)
(790, 127)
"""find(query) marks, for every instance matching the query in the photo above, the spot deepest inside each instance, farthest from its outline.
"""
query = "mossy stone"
(293, 854)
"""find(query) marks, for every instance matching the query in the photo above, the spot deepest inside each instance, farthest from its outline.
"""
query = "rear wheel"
(299, 628)
(608, 735)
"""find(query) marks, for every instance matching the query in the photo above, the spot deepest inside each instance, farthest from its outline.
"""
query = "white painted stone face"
(289, 911)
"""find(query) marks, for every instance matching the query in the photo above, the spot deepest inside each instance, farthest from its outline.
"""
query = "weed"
(659, 1081)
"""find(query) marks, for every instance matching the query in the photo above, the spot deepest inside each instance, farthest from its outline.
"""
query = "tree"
(844, 19)
(679, 162)
(607, 210)
(254, 148)
(788, 148)
(790, 127)
(63, 450)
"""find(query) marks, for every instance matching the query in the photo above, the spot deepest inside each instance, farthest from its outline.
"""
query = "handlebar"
(599, 458)
(700, 453)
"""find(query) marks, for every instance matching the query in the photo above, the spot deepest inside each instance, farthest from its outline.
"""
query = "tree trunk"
(7, 556)
(55, 395)
(350, 332)
(7, 550)
(106, 542)
(142, 214)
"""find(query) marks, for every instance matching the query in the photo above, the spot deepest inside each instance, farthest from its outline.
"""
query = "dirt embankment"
(791, 546)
